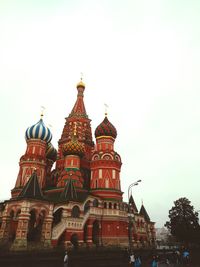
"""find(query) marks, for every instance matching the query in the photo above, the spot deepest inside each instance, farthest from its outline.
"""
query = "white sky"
(142, 58)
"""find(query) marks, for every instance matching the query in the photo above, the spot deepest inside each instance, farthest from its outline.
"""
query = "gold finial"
(142, 201)
(81, 83)
(106, 109)
(42, 111)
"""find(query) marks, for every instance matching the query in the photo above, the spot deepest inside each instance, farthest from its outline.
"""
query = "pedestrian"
(132, 259)
(138, 262)
(66, 258)
(154, 262)
(177, 256)
(186, 255)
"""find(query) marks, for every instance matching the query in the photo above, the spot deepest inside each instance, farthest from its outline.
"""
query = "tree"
(184, 222)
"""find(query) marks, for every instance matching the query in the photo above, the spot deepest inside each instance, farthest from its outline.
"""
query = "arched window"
(105, 205)
(12, 214)
(115, 206)
(18, 212)
(75, 212)
(110, 205)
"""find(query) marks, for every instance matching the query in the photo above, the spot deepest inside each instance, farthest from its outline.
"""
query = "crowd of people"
(177, 258)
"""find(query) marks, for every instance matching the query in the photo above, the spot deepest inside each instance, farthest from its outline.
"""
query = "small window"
(75, 212)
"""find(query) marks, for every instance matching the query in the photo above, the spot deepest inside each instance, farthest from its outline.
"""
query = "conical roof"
(32, 188)
(132, 203)
(144, 213)
(79, 106)
(69, 193)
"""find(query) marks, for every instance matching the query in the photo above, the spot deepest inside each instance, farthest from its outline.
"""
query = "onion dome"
(74, 147)
(106, 129)
(39, 131)
(51, 152)
(80, 84)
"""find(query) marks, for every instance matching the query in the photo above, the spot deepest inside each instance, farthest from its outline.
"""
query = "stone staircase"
(69, 222)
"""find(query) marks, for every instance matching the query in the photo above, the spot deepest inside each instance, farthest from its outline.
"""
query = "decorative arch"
(75, 213)
(95, 157)
(107, 156)
(37, 217)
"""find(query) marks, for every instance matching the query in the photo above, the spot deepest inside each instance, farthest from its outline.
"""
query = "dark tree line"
(183, 222)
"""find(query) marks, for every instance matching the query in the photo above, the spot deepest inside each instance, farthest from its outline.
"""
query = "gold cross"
(106, 109)
(42, 111)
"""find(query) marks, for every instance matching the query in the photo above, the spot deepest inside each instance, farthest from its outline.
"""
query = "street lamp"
(129, 216)
(130, 186)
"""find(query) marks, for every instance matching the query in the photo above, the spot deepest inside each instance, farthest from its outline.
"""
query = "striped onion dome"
(39, 131)
(106, 129)
(51, 152)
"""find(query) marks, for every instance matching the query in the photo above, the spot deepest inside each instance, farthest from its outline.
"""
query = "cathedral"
(72, 196)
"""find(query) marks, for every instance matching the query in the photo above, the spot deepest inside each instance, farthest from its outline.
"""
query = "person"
(186, 257)
(177, 256)
(138, 262)
(132, 259)
(154, 262)
(66, 259)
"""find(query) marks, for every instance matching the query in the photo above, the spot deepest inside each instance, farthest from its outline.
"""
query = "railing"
(78, 223)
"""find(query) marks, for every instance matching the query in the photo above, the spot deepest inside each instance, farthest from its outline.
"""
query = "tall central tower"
(77, 118)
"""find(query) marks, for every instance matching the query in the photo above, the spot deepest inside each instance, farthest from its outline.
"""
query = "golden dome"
(80, 84)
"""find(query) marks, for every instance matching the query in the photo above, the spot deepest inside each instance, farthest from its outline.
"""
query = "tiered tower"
(77, 118)
(106, 163)
(38, 139)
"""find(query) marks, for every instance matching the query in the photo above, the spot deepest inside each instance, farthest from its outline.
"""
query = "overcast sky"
(142, 58)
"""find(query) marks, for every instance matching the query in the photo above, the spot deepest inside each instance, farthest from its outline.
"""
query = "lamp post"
(130, 186)
(130, 219)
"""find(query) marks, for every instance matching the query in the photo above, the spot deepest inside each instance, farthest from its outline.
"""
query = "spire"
(79, 107)
(32, 188)
(144, 213)
(69, 192)
(132, 203)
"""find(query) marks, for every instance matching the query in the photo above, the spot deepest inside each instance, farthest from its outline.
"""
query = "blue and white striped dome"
(39, 131)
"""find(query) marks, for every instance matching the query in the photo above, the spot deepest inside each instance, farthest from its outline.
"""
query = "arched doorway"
(74, 240)
(95, 233)
(35, 226)
(13, 225)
